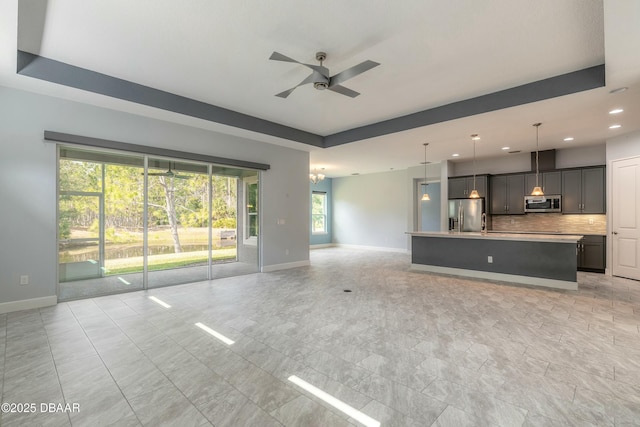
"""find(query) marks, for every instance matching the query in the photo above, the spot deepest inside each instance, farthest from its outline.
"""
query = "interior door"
(625, 222)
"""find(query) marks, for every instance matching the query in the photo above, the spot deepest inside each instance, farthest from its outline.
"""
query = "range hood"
(547, 159)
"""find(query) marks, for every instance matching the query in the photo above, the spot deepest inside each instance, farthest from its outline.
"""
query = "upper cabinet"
(461, 187)
(507, 194)
(551, 182)
(583, 191)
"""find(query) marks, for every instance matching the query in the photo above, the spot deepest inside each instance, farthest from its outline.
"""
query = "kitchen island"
(547, 260)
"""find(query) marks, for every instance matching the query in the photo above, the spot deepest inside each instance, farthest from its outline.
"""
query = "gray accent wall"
(28, 183)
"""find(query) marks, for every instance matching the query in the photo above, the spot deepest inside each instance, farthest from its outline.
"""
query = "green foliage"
(224, 223)
(64, 230)
(122, 193)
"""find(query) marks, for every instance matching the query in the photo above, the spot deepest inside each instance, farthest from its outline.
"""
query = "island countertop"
(532, 259)
(521, 237)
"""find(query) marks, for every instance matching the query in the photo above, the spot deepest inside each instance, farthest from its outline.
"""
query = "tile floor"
(405, 348)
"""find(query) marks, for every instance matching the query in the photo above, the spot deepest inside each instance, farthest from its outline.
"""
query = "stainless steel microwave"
(551, 203)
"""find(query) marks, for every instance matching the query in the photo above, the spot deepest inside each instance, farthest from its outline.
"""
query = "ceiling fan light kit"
(322, 79)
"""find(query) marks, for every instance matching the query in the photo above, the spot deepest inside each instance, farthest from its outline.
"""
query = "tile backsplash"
(551, 222)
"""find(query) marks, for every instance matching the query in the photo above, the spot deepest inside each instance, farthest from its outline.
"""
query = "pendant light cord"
(425, 163)
(537, 125)
(474, 164)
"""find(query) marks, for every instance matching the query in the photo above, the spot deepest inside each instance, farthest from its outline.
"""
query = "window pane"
(318, 203)
(252, 209)
(318, 212)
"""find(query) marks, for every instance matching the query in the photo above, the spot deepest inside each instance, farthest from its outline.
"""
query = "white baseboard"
(322, 245)
(28, 304)
(285, 266)
(501, 277)
(373, 248)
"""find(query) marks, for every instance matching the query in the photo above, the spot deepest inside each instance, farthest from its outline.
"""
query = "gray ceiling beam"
(53, 71)
(58, 72)
(565, 84)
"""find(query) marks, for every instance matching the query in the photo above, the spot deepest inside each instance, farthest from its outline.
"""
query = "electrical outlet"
(490, 259)
(24, 280)
(590, 221)
(286, 251)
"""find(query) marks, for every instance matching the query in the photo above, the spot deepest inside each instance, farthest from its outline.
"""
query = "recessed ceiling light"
(615, 126)
(506, 148)
(616, 111)
(618, 90)
(455, 155)
(569, 138)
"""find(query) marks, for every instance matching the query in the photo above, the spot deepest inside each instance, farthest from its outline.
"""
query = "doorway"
(625, 222)
(428, 215)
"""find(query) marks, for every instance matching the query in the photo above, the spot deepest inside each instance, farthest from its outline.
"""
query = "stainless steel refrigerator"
(466, 214)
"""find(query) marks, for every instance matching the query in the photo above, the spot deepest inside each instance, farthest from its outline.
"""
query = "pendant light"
(537, 190)
(474, 193)
(425, 196)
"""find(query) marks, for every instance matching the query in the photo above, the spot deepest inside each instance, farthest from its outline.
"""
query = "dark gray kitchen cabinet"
(457, 187)
(461, 187)
(583, 191)
(591, 253)
(507, 194)
(551, 182)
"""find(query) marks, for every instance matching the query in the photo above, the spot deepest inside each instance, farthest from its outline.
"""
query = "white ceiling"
(431, 53)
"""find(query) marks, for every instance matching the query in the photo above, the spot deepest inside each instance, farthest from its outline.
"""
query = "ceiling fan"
(321, 78)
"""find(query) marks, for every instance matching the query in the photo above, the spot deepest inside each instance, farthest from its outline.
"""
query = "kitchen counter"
(547, 260)
(493, 235)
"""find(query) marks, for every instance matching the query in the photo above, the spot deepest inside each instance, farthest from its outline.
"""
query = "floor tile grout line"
(150, 361)
(4, 362)
(55, 365)
(207, 367)
(101, 359)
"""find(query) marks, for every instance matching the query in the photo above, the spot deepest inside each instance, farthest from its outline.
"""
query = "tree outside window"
(319, 212)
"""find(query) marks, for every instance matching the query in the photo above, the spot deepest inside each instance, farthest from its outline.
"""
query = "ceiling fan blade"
(352, 72)
(286, 93)
(343, 91)
(276, 56)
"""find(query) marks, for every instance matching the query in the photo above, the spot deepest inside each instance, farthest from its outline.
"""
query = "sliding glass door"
(184, 221)
(100, 223)
(178, 222)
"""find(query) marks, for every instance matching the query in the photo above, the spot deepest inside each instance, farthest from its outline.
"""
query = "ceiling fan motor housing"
(320, 82)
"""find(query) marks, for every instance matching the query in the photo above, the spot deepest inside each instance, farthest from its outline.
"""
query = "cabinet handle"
(615, 232)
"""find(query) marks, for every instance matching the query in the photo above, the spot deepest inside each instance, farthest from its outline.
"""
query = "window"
(252, 209)
(319, 212)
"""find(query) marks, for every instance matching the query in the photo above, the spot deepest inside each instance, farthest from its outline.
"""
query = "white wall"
(370, 210)
(565, 158)
(28, 183)
(623, 147)
(591, 155)
(377, 210)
